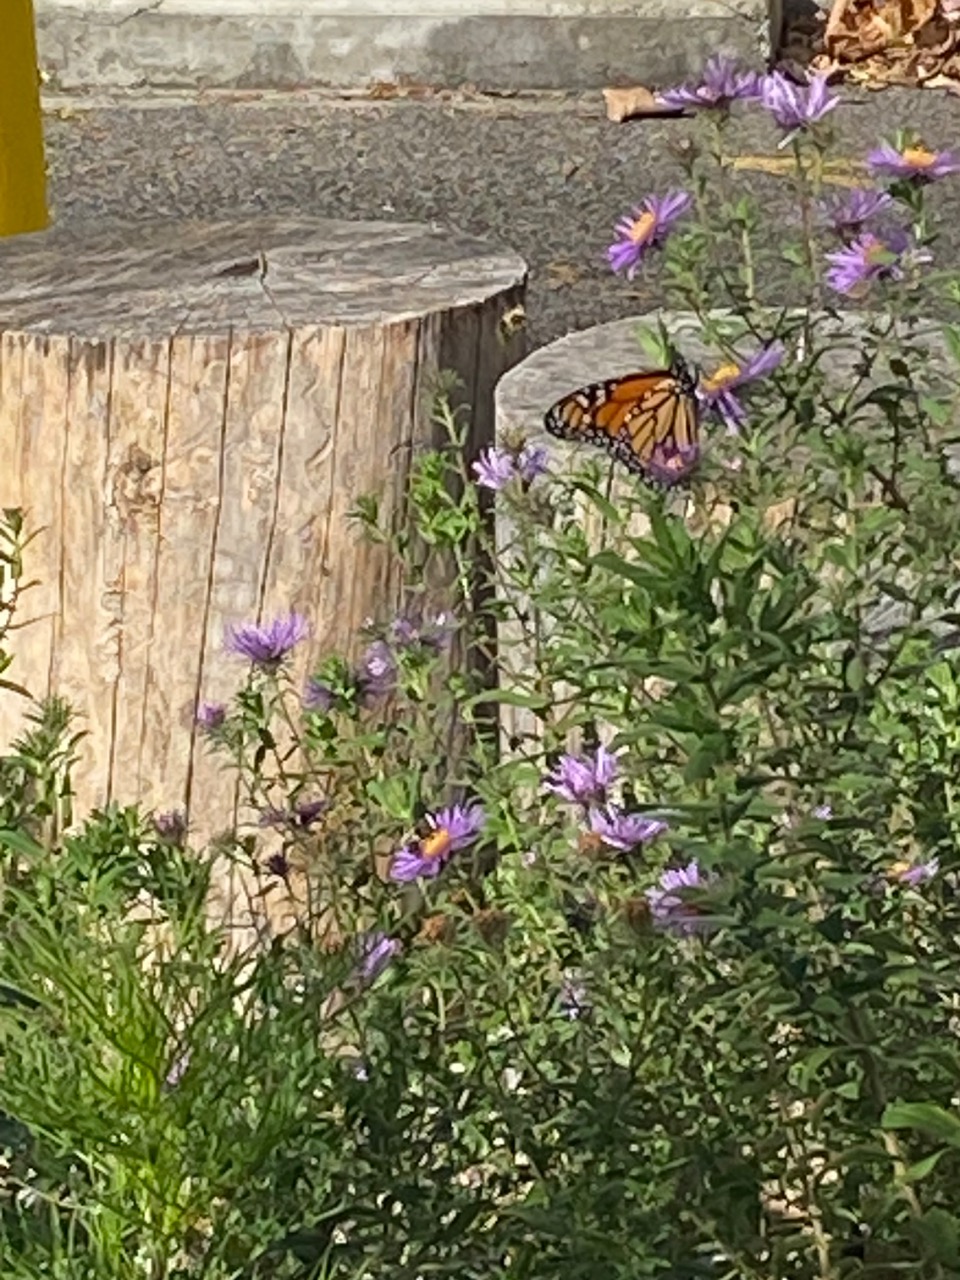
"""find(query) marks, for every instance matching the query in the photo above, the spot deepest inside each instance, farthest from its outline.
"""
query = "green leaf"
(926, 1117)
(939, 1233)
(916, 1172)
(394, 796)
(951, 334)
(670, 536)
(601, 504)
(20, 842)
(653, 345)
(713, 750)
(849, 1089)
(512, 698)
(856, 673)
(13, 687)
(615, 564)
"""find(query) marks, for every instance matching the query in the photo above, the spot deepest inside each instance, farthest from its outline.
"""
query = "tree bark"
(188, 413)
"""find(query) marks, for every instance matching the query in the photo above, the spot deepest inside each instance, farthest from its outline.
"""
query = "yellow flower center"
(643, 227)
(720, 377)
(436, 844)
(919, 157)
(897, 869)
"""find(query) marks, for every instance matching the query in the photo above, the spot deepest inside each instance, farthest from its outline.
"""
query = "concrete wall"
(491, 44)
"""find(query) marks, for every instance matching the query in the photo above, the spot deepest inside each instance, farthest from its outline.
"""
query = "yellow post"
(23, 184)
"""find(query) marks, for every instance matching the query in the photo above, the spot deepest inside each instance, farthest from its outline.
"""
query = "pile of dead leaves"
(881, 42)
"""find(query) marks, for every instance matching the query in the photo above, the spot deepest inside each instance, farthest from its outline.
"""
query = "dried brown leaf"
(634, 103)
(860, 29)
(942, 81)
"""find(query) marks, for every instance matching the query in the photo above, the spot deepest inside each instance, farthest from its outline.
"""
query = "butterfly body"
(648, 421)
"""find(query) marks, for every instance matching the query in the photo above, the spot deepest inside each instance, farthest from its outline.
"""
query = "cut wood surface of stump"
(189, 412)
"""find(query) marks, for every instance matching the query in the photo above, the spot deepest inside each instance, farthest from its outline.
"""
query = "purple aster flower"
(795, 106)
(583, 780)
(377, 673)
(646, 230)
(573, 998)
(849, 212)
(171, 825)
(303, 815)
(375, 951)
(624, 831)
(717, 392)
(318, 696)
(822, 812)
(670, 907)
(912, 164)
(267, 646)
(722, 82)
(451, 830)
(405, 633)
(277, 864)
(211, 716)
(914, 873)
(306, 812)
(495, 468)
(868, 258)
(532, 461)
(667, 465)
(416, 632)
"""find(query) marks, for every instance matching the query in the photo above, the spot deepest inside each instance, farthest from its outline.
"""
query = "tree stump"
(189, 412)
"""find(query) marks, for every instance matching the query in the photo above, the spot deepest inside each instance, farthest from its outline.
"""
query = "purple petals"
(850, 212)
(498, 465)
(869, 258)
(914, 874)
(267, 646)
(912, 164)
(450, 830)
(495, 468)
(645, 229)
(722, 82)
(795, 106)
(670, 902)
(583, 780)
(718, 391)
(375, 950)
(211, 716)
(624, 831)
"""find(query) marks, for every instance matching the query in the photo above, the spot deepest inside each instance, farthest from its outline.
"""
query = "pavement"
(544, 173)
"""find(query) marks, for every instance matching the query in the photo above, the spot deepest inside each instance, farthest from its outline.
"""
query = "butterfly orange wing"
(637, 418)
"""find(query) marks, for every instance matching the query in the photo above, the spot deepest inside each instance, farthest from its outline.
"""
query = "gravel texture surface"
(546, 174)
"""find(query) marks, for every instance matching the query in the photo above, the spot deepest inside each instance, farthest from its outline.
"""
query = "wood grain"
(190, 412)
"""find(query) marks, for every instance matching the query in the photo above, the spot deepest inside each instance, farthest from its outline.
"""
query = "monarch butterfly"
(648, 421)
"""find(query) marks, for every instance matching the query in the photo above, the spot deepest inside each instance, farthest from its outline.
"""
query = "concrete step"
(494, 45)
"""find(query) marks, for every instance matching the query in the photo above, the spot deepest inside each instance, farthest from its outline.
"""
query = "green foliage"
(724, 1051)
